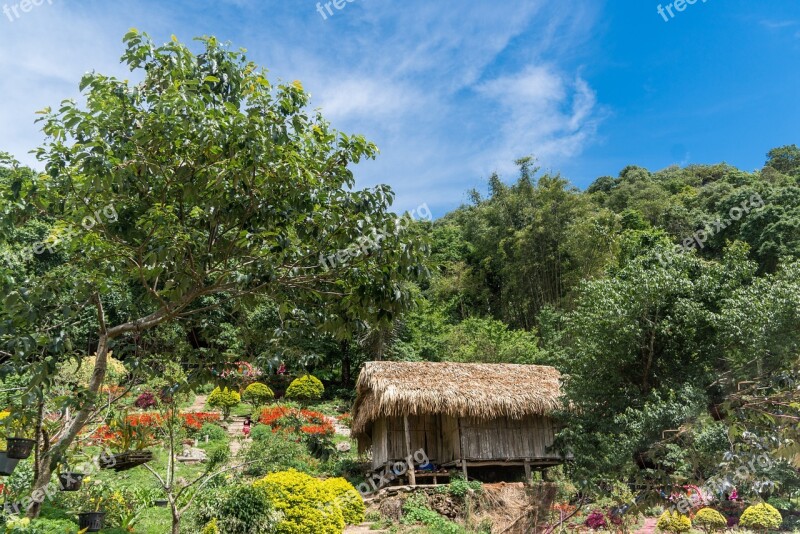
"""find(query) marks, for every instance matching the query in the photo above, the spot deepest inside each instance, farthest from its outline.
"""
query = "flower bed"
(294, 420)
(192, 421)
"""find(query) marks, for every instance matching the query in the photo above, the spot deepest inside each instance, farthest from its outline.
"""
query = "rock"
(344, 446)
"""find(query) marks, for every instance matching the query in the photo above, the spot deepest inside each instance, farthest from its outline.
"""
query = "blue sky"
(452, 91)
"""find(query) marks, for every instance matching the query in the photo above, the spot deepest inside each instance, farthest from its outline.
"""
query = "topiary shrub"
(307, 505)
(305, 388)
(74, 372)
(224, 399)
(674, 522)
(258, 394)
(762, 517)
(348, 499)
(709, 520)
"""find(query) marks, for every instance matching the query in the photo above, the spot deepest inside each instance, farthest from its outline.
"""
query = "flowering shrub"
(306, 387)
(258, 394)
(709, 520)
(348, 499)
(674, 522)
(240, 374)
(294, 420)
(761, 516)
(596, 520)
(224, 399)
(146, 400)
(196, 420)
(306, 503)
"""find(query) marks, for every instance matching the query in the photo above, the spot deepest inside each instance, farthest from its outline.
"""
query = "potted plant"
(7, 465)
(70, 480)
(129, 442)
(92, 521)
(18, 447)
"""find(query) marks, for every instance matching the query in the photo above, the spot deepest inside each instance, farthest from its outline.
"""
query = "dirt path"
(363, 528)
(649, 526)
(199, 404)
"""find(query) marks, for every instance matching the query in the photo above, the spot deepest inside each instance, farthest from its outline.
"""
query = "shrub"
(145, 400)
(305, 388)
(277, 451)
(53, 526)
(81, 372)
(348, 499)
(596, 520)
(307, 505)
(761, 516)
(674, 522)
(258, 394)
(224, 399)
(214, 433)
(238, 509)
(708, 520)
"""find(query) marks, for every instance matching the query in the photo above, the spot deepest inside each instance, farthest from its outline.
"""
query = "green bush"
(74, 372)
(674, 522)
(277, 451)
(214, 433)
(258, 394)
(416, 510)
(708, 520)
(53, 526)
(239, 509)
(224, 399)
(305, 388)
(348, 499)
(761, 516)
(307, 505)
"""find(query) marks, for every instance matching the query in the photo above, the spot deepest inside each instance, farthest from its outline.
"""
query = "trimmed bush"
(81, 372)
(214, 433)
(305, 388)
(224, 399)
(258, 394)
(307, 505)
(761, 516)
(348, 499)
(709, 520)
(674, 522)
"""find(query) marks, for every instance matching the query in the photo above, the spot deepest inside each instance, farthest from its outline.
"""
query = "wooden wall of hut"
(442, 438)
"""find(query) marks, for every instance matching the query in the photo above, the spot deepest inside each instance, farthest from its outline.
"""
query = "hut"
(462, 415)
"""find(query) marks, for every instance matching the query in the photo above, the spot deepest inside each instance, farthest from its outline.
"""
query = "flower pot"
(162, 503)
(70, 481)
(91, 521)
(7, 465)
(19, 448)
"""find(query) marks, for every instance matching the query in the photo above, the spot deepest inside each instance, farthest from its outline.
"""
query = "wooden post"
(461, 450)
(412, 477)
(528, 470)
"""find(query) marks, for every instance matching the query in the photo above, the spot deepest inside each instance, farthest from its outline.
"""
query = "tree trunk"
(49, 460)
(346, 364)
(176, 518)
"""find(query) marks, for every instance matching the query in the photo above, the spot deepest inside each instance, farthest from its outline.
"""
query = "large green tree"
(220, 185)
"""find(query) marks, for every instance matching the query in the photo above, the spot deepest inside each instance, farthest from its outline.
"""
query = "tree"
(785, 159)
(222, 185)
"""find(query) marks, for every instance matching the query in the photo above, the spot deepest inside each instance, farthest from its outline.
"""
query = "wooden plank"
(411, 476)
(528, 478)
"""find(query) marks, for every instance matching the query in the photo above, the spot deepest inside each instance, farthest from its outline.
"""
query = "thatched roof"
(486, 391)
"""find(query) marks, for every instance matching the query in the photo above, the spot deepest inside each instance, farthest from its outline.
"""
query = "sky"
(452, 91)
